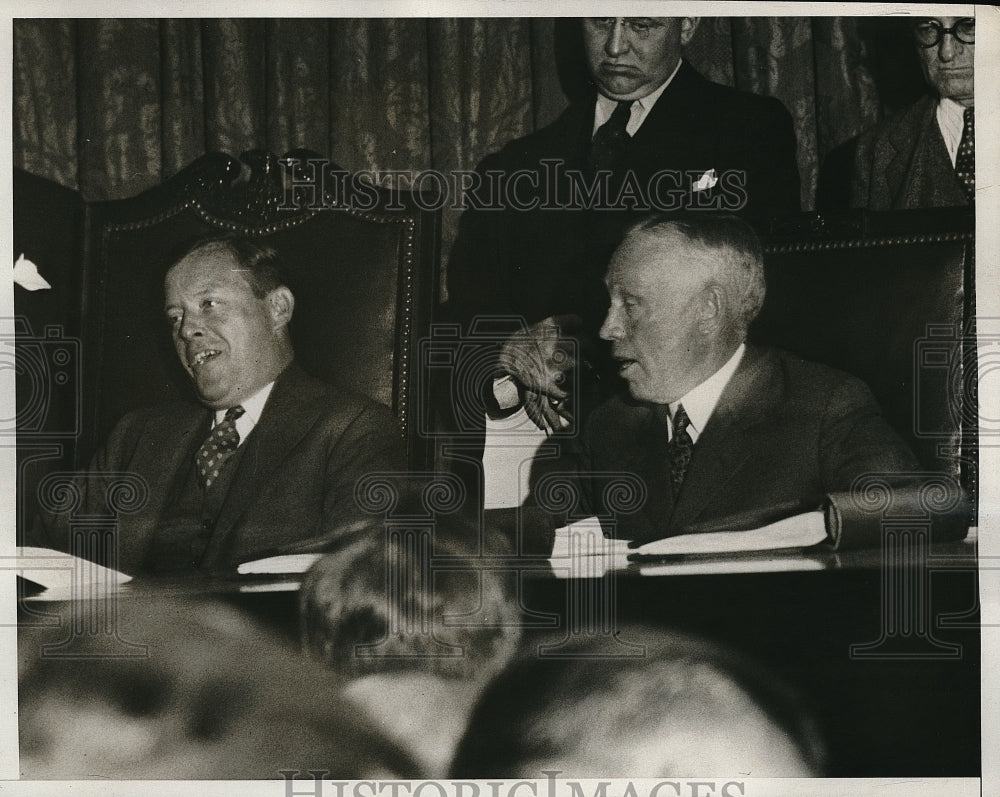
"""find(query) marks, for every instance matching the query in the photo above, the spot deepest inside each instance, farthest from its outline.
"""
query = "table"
(886, 651)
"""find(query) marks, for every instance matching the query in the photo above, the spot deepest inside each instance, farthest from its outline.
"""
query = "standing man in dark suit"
(924, 156)
(725, 434)
(551, 207)
(268, 460)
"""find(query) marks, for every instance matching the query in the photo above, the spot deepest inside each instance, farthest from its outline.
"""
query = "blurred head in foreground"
(213, 698)
(686, 708)
(418, 640)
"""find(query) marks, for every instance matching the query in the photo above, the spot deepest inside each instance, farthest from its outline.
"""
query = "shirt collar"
(951, 122)
(640, 107)
(700, 402)
(252, 409)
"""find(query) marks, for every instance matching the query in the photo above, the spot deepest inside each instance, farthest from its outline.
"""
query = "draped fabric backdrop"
(114, 106)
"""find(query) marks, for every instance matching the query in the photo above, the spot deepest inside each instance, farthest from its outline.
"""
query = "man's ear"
(280, 303)
(688, 26)
(712, 312)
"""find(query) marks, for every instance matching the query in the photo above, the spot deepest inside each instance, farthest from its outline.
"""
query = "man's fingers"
(546, 411)
(533, 408)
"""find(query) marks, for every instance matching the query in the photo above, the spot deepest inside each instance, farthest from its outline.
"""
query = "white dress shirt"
(951, 121)
(699, 403)
(252, 408)
(639, 110)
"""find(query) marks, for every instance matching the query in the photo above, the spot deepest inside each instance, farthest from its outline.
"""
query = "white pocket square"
(706, 181)
(26, 275)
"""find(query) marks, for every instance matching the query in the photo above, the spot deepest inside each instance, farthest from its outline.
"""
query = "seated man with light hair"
(724, 434)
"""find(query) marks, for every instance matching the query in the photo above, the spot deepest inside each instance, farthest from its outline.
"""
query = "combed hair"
(729, 244)
(260, 264)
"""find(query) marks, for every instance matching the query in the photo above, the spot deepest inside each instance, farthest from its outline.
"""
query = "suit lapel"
(724, 447)
(573, 138)
(904, 143)
(673, 135)
(290, 412)
(172, 443)
(668, 124)
(649, 460)
(921, 173)
(932, 180)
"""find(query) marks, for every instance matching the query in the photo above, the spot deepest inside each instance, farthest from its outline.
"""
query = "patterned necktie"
(218, 447)
(679, 448)
(610, 139)
(965, 161)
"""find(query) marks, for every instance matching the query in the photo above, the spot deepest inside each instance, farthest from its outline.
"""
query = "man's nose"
(617, 42)
(189, 328)
(611, 329)
(946, 47)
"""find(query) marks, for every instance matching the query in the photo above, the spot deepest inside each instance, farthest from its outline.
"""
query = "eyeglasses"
(930, 32)
(640, 26)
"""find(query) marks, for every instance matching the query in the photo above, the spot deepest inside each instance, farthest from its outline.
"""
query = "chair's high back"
(362, 263)
(890, 298)
(42, 343)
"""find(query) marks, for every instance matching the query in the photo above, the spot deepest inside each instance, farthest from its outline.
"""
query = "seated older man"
(725, 434)
(267, 461)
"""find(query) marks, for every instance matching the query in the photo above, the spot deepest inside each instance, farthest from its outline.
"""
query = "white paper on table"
(585, 538)
(278, 565)
(799, 531)
(63, 575)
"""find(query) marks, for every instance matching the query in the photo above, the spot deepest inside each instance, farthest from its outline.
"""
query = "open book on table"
(586, 538)
(843, 523)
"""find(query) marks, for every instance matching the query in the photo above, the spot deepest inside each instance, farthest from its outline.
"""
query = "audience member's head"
(630, 57)
(686, 708)
(213, 697)
(229, 309)
(419, 636)
(947, 50)
(683, 293)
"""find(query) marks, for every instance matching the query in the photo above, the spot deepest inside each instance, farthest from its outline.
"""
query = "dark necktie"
(611, 138)
(680, 448)
(218, 447)
(965, 161)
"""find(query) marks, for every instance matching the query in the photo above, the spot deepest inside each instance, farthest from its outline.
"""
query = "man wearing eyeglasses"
(925, 155)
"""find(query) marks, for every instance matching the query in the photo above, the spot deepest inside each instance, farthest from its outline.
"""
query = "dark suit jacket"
(903, 163)
(547, 261)
(293, 490)
(785, 433)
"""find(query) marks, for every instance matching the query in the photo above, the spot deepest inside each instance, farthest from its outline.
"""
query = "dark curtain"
(114, 106)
